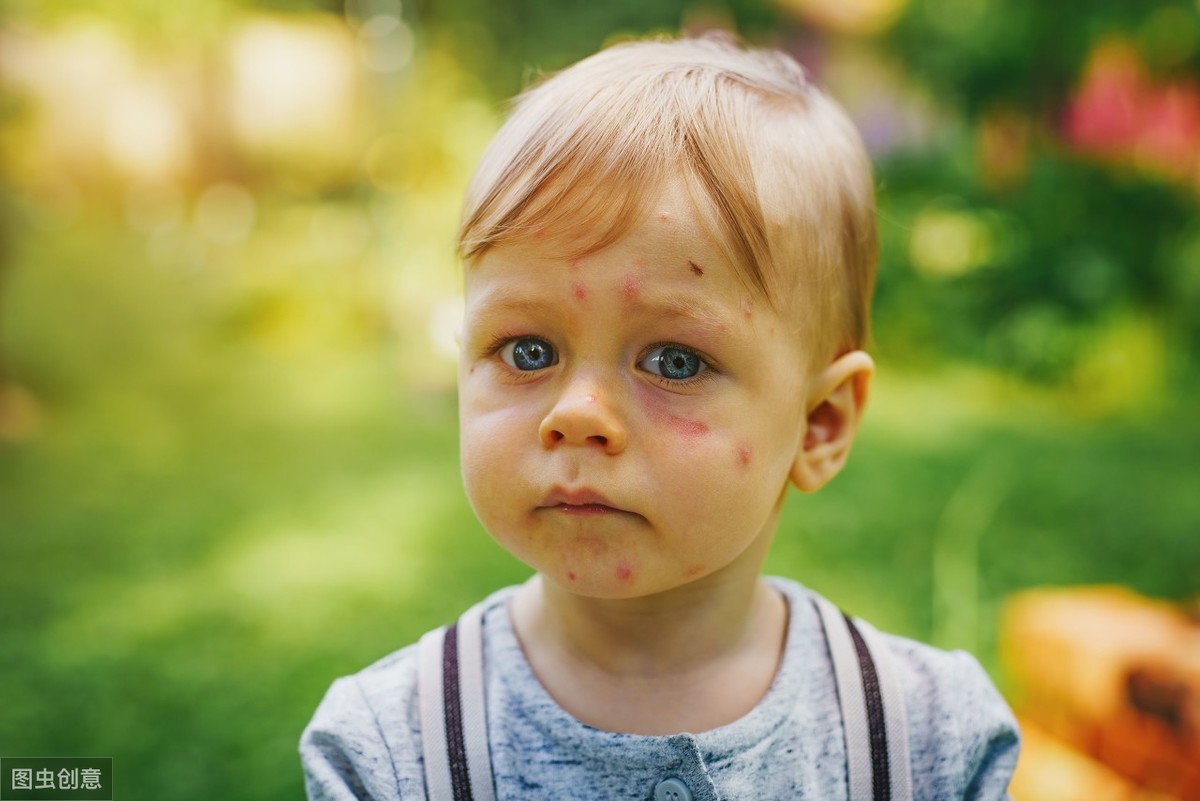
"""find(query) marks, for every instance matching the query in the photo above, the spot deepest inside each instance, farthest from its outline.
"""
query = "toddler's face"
(628, 419)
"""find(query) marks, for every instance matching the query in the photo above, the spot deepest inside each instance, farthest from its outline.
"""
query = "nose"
(581, 416)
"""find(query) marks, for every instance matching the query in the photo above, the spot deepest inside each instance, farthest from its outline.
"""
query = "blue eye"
(529, 353)
(673, 362)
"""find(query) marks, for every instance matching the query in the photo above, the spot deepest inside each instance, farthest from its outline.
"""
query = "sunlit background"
(227, 417)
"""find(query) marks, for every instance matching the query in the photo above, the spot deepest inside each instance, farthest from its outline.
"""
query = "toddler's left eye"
(673, 362)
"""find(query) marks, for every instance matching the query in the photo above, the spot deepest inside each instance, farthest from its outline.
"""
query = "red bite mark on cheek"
(580, 290)
(624, 571)
(571, 575)
(687, 427)
(661, 415)
(743, 455)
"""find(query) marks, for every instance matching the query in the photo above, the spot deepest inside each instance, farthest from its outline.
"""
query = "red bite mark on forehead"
(630, 286)
(576, 263)
(580, 290)
(624, 571)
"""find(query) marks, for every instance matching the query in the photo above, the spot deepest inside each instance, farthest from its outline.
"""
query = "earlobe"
(835, 404)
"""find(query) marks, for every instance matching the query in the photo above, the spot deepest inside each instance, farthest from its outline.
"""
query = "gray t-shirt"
(364, 742)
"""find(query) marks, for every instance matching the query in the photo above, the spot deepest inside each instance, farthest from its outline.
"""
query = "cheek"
(489, 440)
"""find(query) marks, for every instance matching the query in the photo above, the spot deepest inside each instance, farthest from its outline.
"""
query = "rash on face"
(660, 413)
(743, 454)
(687, 427)
(624, 571)
(580, 290)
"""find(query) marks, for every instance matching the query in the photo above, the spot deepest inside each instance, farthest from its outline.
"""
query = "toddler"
(669, 251)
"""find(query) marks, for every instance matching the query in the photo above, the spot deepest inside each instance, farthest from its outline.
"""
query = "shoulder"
(963, 737)
(364, 739)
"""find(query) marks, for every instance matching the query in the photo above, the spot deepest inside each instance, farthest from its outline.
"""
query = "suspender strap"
(872, 709)
(458, 766)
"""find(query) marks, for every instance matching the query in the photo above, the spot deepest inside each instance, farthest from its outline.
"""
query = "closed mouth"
(583, 502)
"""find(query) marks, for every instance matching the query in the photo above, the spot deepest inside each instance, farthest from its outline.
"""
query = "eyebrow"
(502, 300)
(649, 303)
(666, 306)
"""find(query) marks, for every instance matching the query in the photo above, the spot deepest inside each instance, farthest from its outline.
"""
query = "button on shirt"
(672, 790)
(364, 740)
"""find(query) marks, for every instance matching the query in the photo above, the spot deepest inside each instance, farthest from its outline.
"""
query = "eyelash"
(709, 371)
(498, 342)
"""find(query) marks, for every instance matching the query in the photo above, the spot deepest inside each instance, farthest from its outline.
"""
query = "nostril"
(600, 440)
(556, 436)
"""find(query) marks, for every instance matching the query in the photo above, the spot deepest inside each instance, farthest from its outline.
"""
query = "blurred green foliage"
(228, 469)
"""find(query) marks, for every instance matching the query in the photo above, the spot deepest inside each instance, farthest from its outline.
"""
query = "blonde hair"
(785, 173)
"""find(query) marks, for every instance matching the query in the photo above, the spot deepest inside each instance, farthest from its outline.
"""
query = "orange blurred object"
(1113, 676)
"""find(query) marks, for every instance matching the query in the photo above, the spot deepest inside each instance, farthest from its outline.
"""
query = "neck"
(662, 635)
(638, 665)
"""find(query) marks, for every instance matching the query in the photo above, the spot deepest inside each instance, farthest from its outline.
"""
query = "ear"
(836, 401)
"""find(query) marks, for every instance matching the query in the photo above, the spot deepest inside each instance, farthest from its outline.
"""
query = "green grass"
(226, 499)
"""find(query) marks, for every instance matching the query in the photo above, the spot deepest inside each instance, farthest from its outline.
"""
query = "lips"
(582, 501)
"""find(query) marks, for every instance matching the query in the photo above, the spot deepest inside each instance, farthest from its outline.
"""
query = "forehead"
(670, 225)
(669, 236)
(665, 266)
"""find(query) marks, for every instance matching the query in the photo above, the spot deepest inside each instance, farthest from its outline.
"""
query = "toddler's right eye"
(528, 353)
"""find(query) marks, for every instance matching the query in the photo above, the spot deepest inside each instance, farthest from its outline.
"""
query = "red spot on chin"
(580, 290)
(571, 575)
(743, 453)
(631, 286)
(624, 571)
(696, 268)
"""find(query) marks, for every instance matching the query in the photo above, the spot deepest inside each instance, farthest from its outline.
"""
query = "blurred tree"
(1083, 168)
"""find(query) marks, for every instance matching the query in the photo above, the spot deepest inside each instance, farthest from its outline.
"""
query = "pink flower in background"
(1120, 113)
